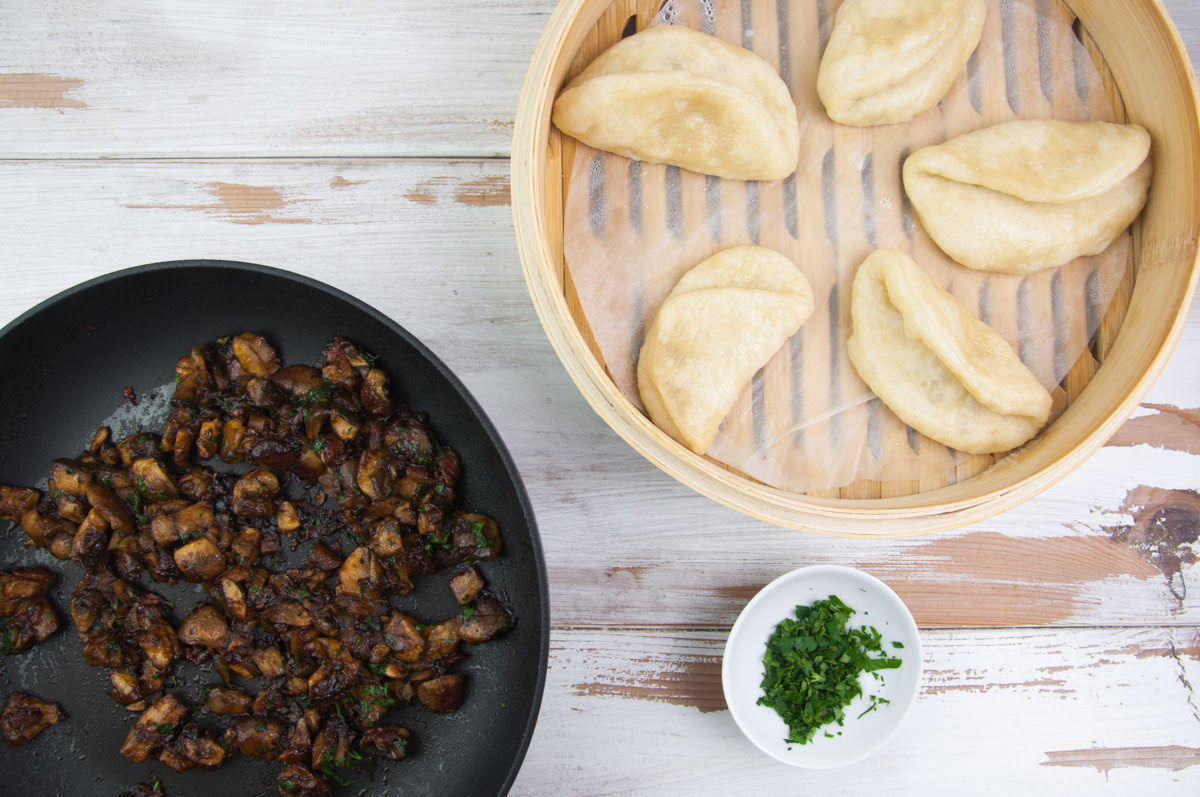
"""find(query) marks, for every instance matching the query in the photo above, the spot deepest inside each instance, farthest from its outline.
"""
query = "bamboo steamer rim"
(1167, 279)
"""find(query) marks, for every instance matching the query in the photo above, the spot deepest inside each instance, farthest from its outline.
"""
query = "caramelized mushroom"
(466, 584)
(254, 736)
(152, 730)
(255, 354)
(358, 572)
(253, 493)
(152, 479)
(402, 636)
(488, 619)
(206, 627)
(22, 582)
(223, 700)
(32, 621)
(25, 716)
(376, 473)
(441, 694)
(296, 780)
(69, 477)
(199, 560)
(391, 740)
(16, 501)
(114, 510)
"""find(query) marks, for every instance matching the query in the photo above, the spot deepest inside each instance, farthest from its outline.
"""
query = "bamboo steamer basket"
(1150, 71)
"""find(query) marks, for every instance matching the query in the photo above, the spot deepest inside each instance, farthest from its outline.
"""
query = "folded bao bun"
(1022, 196)
(677, 96)
(889, 60)
(939, 368)
(723, 320)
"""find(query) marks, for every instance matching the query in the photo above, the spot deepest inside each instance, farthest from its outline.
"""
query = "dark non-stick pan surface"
(64, 366)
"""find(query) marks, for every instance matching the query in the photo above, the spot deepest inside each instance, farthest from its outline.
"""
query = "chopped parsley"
(812, 665)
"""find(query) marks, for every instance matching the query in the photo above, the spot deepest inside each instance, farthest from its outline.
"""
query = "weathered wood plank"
(267, 77)
(1081, 711)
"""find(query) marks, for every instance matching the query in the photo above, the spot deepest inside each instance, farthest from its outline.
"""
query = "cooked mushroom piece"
(152, 730)
(152, 479)
(125, 687)
(441, 694)
(246, 545)
(110, 505)
(55, 534)
(186, 522)
(22, 582)
(301, 381)
(466, 585)
(157, 640)
(298, 745)
(296, 780)
(208, 439)
(288, 613)
(193, 747)
(269, 661)
(193, 519)
(254, 736)
(442, 639)
(386, 539)
(478, 533)
(191, 376)
(358, 573)
(91, 538)
(374, 394)
(16, 501)
(376, 473)
(322, 557)
(25, 716)
(224, 700)
(332, 745)
(403, 637)
(206, 627)
(391, 740)
(199, 560)
(68, 476)
(255, 354)
(287, 518)
(273, 454)
(233, 598)
(233, 440)
(488, 619)
(33, 620)
(253, 493)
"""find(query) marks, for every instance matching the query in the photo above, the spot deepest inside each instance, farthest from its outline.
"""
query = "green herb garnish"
(812, 665)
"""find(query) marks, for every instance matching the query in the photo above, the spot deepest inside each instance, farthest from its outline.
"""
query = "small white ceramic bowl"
(874, 604)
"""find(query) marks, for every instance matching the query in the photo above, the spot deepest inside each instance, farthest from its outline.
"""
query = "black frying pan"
(63, 367)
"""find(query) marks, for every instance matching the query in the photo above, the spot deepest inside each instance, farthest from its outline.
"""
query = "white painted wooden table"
(365, 145)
